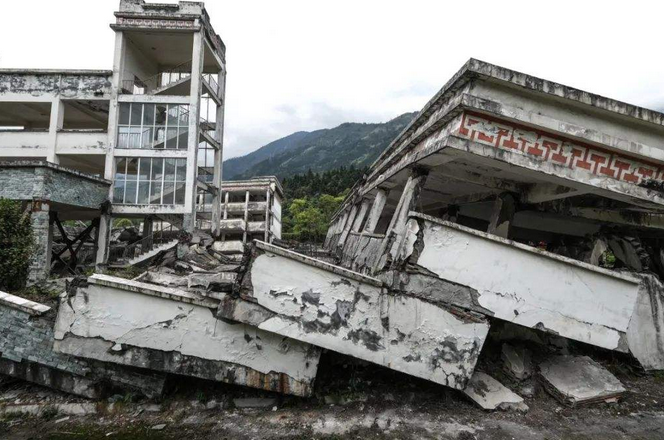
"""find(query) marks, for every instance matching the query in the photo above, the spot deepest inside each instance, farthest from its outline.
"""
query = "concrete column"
(359, 218)
(194, 128)
(226, 206)
(42, 231)
(347, 227)
(267, 217)
(118, 68)
(376, 211)
(502, 215)
(56, 124)
(218, 161)
(148, 231)
(246, 216)
(397, 228)
(103, 239)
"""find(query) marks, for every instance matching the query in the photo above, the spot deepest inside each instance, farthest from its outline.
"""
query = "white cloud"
(304, 65)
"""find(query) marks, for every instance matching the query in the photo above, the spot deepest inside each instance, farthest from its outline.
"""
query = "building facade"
(250, 210)
(152, 126)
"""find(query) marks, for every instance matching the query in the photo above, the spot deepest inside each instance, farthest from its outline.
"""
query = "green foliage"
(125, 223)
(311, 199)
(16, 245)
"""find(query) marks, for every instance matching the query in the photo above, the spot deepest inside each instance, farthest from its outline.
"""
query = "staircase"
(145, 249)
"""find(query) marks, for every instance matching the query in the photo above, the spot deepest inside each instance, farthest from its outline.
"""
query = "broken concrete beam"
(334, 308)
(578, 380)
(519, 283)
(490, 394)
(163, 329)
(26, 353)
(645, 335)
(516, 361)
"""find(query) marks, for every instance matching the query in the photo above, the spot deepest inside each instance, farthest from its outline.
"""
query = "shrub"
(16, 245)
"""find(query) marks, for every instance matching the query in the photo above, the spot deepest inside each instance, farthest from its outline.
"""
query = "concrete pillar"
(42, 231)
(359, 218)
(396, 230)
(103, 239)
(194, 127)
(218, 162)
(118, 68)
(347, 227)
(246, 217)
(56, 124)
(266, 239)
(148, 231)
(502, 215)
(376, 211)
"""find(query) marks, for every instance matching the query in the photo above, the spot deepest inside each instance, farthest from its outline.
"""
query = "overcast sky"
(303, 65)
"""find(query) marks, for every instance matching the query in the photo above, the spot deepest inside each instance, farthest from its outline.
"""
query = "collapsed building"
(508, 201)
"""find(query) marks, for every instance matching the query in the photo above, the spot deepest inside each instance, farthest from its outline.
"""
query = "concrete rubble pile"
(498, 221)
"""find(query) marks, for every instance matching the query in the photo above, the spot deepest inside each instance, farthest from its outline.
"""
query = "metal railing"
(138, 86)
(212, 83)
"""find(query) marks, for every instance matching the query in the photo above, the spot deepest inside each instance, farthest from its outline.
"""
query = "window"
(153, 126)
(149, 181)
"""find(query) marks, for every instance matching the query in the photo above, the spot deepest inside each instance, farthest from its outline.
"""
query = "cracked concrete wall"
(524, 285)
(41, 181)
(51, 83)
(645, 334)
(333, 308)
(109, 323)
(26, 352)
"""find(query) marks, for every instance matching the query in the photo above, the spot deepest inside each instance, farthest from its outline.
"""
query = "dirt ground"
(353, 400)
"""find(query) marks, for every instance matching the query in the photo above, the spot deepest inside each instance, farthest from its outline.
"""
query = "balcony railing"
(212, 83)
(138, 86)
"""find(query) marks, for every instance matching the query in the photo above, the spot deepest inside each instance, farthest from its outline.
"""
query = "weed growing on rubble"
(16, 245)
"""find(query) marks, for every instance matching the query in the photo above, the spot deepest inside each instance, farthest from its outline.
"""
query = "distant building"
(250, 209)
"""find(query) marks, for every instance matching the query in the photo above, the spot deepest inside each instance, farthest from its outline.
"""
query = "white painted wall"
(530, 287)
(410, 335)
(123, 316)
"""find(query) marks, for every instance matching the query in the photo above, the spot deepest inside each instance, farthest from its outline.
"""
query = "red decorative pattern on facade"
(549, 148)
(155, 22)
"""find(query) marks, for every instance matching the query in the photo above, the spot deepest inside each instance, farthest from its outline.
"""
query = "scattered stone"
(255, 402)
(490, 394)
(517, 361)
(64, 419)
(578, 380)
(527, 391)
(158, 427)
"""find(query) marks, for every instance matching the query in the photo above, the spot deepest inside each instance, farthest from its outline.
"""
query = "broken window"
(150, 181)
(153, 126)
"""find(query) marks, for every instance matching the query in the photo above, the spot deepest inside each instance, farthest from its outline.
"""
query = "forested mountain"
(310, 200)
(350, 144)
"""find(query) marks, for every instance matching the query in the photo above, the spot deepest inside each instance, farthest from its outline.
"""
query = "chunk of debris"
(255, 402)
(645, 335)
(334, 308)
(490, 394)
(578, 380)
(516, 361)
(521, 284)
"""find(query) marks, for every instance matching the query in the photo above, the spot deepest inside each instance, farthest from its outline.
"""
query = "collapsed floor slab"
(325, 305)
(490, 394)
(516, 283)
(26, 353)
(165, 329)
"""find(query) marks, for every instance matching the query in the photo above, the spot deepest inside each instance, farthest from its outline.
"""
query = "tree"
(16, 245)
